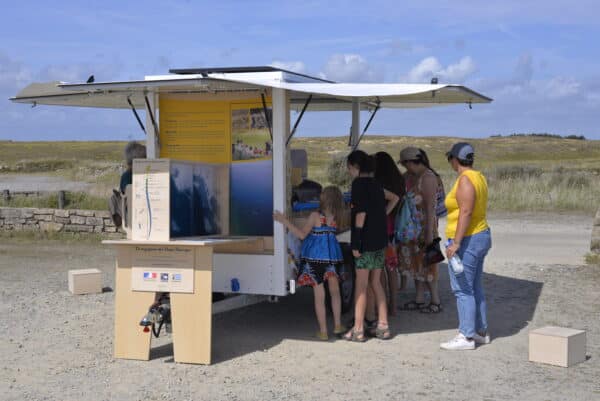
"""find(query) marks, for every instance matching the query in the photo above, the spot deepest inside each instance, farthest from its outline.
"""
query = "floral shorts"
(371, 260)
(315, 274)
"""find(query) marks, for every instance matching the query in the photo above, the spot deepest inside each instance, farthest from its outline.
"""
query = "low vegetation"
(592, 258)
(73, 200)
(526, 172)
(20, 236)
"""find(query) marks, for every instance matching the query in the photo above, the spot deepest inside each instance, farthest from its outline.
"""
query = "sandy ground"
(55, 346)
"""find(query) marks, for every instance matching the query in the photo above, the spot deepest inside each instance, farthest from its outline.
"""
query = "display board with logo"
(162, 268)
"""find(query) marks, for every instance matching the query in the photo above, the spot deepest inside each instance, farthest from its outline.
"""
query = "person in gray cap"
(469, 237)
(422, 184)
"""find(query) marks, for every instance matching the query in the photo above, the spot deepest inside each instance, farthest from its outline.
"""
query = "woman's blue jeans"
(468, 285)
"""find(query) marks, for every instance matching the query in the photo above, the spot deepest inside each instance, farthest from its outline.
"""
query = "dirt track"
(56, 346)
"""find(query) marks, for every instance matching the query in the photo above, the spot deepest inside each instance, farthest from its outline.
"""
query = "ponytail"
(425, 160)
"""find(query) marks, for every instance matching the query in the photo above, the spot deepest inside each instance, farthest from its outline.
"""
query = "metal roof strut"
(137, 116)
(266, 111)
(298, 120)
(377, 107)
(151, 114)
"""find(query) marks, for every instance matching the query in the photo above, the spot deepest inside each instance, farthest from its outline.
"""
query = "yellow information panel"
(195, 130)
(214, 131)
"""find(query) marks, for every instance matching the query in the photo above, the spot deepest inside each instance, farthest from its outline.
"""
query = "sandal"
(383, 333)
(322, 336)
(339, 329)
(355, 336)
(413, 305)
(432, 308)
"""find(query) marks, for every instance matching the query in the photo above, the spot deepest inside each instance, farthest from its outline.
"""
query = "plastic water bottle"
(455, 262)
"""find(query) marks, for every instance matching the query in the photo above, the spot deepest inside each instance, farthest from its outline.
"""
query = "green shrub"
(337, 172)
(515, 172)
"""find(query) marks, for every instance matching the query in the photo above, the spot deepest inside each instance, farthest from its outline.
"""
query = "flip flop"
(339, 330)
(431, 308)
(413, 305)
(322, 336)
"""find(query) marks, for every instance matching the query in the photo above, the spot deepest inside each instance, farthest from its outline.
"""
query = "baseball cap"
(461, 151)
(409, 153)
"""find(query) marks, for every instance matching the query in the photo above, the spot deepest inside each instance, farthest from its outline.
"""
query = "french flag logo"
(149, 275)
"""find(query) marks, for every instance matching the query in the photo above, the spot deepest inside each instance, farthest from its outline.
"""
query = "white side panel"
(281, 130)
(254, 273)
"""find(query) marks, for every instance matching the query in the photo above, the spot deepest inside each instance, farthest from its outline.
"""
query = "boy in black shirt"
(368, 240)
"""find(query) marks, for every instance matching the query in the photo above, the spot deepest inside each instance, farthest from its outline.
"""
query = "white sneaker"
(458, 343)
(481, 339)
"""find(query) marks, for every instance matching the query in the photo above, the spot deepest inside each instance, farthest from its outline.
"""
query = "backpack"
(407, 226)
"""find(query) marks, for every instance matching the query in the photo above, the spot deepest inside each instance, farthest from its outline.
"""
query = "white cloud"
(13, 75)
(523, 72)
(430, 67)
(350, 68)
(294, 66)
(559, 87)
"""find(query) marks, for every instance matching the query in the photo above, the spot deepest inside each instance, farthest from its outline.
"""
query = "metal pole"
(281, 129)
(152, 144)
(355, 123)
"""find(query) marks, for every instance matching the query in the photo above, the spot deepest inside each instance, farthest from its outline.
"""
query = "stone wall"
(595, 245)
(57, 220)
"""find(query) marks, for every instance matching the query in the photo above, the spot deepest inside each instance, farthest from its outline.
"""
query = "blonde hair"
(332, 201)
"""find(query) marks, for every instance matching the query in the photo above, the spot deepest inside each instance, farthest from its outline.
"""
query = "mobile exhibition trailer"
(218, 164)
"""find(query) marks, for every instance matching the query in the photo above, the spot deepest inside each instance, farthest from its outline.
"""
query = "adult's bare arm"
(429, 185)
(391, 201)
(465, 197)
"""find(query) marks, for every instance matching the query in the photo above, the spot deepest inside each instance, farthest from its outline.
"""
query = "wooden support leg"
(130, 341)
(191, 314)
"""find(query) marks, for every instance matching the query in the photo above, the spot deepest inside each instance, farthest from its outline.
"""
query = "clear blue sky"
(538, 59)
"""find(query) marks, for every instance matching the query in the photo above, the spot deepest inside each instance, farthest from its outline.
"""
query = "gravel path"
(55, 346)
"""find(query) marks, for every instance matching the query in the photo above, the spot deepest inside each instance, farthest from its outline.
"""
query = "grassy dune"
(524, 173)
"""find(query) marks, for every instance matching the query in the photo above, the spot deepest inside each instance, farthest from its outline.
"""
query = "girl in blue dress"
(320, 255)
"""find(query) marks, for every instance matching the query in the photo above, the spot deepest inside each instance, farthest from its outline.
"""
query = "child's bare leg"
(370, 312)
(375, 281)
(393, 290)
(319, 292)
(384, 283)
(336, 300)
(362, 282)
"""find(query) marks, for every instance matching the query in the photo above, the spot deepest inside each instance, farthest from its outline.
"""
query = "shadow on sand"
(511, 304)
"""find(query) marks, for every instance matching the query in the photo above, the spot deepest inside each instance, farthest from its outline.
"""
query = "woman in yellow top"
(470, 237)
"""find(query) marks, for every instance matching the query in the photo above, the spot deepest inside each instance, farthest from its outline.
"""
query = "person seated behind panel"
(133, 150)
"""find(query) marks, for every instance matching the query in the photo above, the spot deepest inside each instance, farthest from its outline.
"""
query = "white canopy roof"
(223, 84)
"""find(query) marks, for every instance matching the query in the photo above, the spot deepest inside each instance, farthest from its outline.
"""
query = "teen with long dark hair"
(390, 178)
